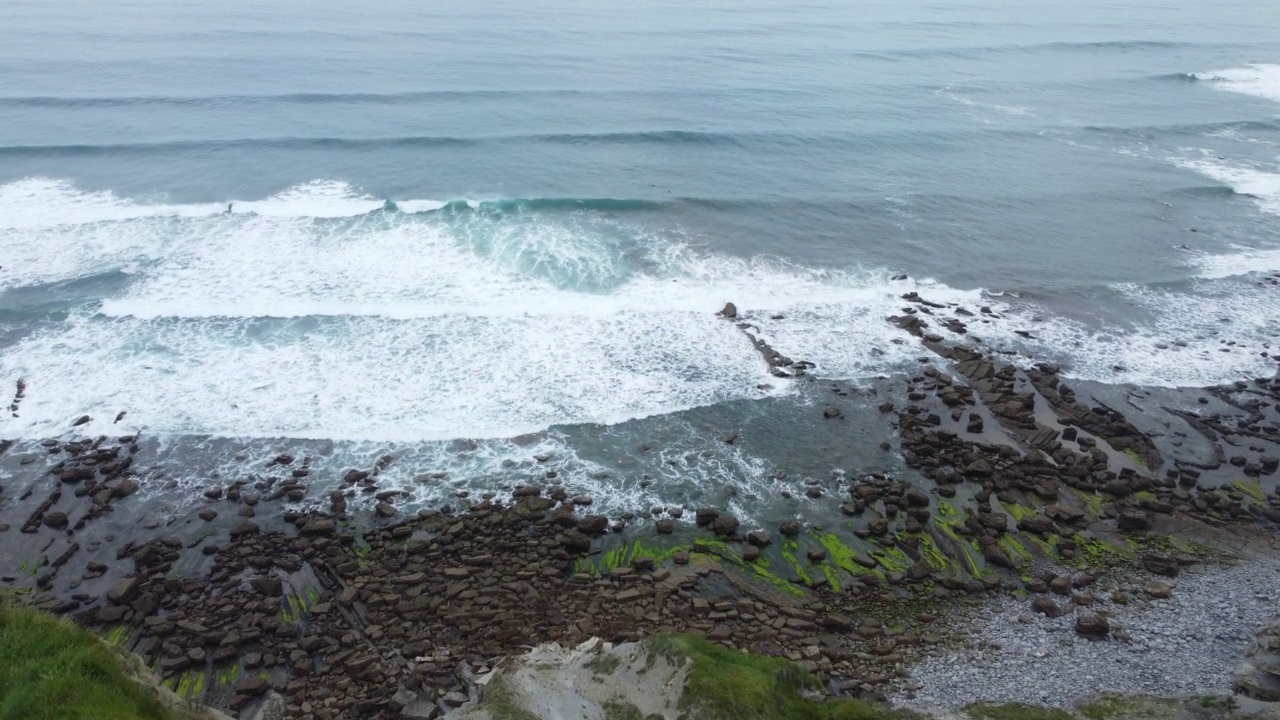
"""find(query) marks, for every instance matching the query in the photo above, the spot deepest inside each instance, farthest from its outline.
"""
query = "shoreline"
(1023, 496)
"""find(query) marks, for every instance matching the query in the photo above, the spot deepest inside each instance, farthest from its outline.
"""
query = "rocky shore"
(1040, 545)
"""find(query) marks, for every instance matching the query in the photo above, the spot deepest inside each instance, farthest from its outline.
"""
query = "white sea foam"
(419, 206)
(1260, 80)
(317, 199)
(1242, 262)
(380, 326)
(1261, 184)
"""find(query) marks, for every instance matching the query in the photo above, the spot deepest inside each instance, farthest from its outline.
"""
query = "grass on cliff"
(726, 684)
(51, 669)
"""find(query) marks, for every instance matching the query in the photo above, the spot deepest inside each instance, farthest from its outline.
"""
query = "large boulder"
(1160, 565)
(593, 524)
(725, 525)
(1133, 520)
(1092, 626)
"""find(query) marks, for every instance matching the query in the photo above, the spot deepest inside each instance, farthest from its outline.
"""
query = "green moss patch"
(1015, 711)
(726, 684)
(52, 669)
(1120, 707)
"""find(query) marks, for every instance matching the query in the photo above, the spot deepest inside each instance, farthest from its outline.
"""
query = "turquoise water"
(480, 221)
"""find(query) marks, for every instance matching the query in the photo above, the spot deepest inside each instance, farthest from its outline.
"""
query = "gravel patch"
(1189, 644)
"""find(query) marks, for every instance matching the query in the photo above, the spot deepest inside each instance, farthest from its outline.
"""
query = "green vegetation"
(1251, 489)
(621, 710)
(726, 684)
(52, 669)
(604, 664)
(1015, 711)
(1114, 707)
(296, 606)
(1135, 457)
(500, 703)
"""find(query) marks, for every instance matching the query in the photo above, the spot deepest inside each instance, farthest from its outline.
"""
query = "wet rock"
(318, 526)
(817, 555)
(759, 538)
(706, 516)
(593, 524)
(385, 510)
(751, 553)
(725, 525)
(268, 586)
(244, 529)
(789, 528)
(665, 527)
(208, 514)
(575, 541)
(56, 520)
(84, 420)
(123, 591)
(252, 685)
(730, 311)
(831, 411)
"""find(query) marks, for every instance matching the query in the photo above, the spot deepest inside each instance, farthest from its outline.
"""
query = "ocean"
(490, 241)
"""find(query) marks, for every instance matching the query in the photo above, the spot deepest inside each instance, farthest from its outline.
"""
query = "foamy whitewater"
(473, 238)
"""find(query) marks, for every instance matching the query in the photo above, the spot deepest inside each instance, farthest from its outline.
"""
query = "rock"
(252, 685)
(995, 556)
(1133, 520)
(1045, 605)
(789, 528)
(1160, 565)
(575, 541)
(886, 407)
(831, 411)
(593, 524)
(123, 591)
(269, 586)
(402, 699)
(706, 516)
(1157, 589)
(56, 520)
(1038, 524)
(817, 555)
(208, 514)
(84, 420)
(730, 311)
(244, 529)
(751, 553)
(725, 525)
(1092, 626)
(1060, 585)
(385, 510)
(318, 526)
(919, 570)
(759, 538)
(665, 527)
(455, 699)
